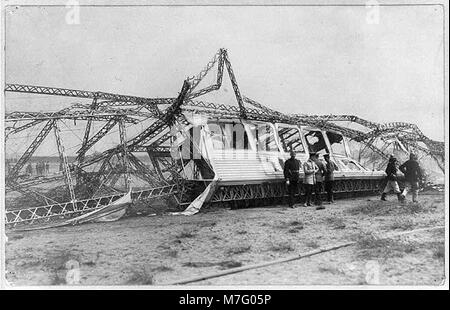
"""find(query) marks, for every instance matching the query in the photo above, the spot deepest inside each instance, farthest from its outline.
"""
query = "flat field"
(159, 250)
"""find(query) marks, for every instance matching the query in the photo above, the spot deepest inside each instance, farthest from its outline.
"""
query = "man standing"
(309, 168)
(391, 178)
(329, 177)
(291, 174)
(319, 180)
(413, 175)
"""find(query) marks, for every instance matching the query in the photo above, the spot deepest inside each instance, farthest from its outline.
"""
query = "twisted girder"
(73, 115)
(31, 149)
(75, 93)
(400, 128)
(58, 210)
(13, 130)
(195, 80)
(111, 107)
(64, 162)
(143, 171)
(150, 132)
(95, 138)
(26, 190)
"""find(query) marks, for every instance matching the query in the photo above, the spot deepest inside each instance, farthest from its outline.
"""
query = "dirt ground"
(158, 250)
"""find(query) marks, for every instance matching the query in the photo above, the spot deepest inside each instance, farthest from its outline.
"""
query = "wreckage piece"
(262, 182)
(12, 175)
(42, 90)
(43, 214)
(108, 213)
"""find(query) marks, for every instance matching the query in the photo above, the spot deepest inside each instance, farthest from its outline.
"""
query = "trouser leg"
(415, 191)
(308, 193)
(293, 187)
(406, 189)
(395, 187)
(317, 192)
(290, 200)
(329, 190)
(387, 188)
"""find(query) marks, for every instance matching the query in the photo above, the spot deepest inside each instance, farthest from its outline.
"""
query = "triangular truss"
(104, 170)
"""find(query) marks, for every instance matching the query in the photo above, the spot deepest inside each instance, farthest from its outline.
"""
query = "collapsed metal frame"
(118, 110)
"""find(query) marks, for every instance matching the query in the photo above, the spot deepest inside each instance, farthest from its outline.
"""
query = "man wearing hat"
(291, 174)
(391, 180)
(329, 177)
(309, 168)
(413, 175)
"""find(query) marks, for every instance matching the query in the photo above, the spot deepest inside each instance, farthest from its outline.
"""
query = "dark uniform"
(413, 175)
(319, 180)
(291, 173)
(391, 180)
(329, 179)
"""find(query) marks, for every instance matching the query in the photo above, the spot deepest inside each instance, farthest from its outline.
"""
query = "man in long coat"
(291, 175)
(413, 176)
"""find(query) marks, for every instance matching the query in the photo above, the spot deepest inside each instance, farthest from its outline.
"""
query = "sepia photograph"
(208, 144)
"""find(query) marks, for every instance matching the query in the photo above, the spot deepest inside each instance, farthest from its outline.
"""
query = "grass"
(161, 269)
(293, 226)
(281, 247)
(401, 224)
(332, 270)
(241, 232)
(238, 250)
(439, 251)
(297, 224)
(56, 279)
(172, 253)
(199, 264)
(335, 222)
(230, 264)
(60, 263)
(15, 237)
(386, 208)
(207, 224)
(185, 234)
(371, 247)
(58, 260)
(312, 244)
(140, 276)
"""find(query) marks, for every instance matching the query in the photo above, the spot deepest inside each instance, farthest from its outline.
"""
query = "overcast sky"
(314, 60)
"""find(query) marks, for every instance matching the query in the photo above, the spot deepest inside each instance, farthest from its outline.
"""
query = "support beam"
(123, 143)
(30, 150)
(100, 134)
(87, 132)
(76, 93)
(242, 112)
(64, 162)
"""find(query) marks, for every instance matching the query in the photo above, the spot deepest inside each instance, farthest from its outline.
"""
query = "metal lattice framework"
(162, 176)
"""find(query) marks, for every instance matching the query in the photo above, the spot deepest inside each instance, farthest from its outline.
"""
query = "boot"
(383, 196)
